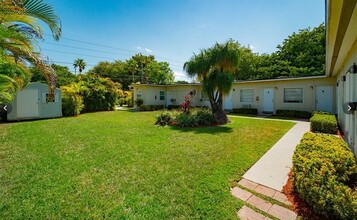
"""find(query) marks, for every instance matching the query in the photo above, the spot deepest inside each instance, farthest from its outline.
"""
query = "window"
(162, 95)
(247, 95)
(293, 95)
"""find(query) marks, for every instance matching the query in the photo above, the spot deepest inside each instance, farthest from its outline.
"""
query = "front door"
(324, 98)
(227, 102)
(168, 98)
(268, 98)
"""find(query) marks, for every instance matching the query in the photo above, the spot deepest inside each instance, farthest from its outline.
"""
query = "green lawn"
(119, 165)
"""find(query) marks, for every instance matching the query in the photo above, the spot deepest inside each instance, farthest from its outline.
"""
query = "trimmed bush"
(171, 107)
(151, 107)
(164, 118)
(185, 120)
(323, 123)
(250, 111)
(325, 174)
(203, 117)
(293, 113)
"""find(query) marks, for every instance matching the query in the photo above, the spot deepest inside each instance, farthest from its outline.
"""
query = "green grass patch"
(121, 165)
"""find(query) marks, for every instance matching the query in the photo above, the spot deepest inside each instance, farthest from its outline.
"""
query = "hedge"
(151, 107)
(250, 111)
(293, 113)
(323, 123)
(324, 174)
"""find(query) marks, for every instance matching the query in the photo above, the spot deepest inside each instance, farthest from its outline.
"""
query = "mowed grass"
(119, 165)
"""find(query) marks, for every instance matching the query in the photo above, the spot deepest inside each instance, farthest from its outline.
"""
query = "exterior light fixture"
(311, 87)
(343, 78)
(353, 68)
(276, 88)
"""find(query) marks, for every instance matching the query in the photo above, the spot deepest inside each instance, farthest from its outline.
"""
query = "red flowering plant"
(187, 104)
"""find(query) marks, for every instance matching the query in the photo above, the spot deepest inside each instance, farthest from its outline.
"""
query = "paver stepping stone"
(282, 213)
(248, 184)
(241, 193)
(259, 203)
(246, 213)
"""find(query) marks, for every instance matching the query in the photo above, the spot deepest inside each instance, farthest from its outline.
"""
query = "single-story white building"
(31, 103)
(306, 94)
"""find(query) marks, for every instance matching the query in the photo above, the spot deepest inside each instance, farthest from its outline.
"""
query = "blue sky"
(172, 30)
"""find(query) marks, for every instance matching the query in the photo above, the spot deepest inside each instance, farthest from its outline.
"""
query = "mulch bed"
(299, 205)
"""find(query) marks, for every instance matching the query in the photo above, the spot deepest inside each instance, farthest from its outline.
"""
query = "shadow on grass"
(204, 130)
(287, 118)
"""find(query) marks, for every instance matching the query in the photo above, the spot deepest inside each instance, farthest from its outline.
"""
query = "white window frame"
(243, 92)
(298, 97)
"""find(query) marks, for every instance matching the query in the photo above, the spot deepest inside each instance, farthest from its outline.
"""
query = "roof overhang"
(341, 33)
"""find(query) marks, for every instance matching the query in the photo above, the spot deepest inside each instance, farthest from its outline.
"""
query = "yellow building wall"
(309, 93)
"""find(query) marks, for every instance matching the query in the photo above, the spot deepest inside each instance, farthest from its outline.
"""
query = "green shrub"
(164, 118)
(72, 101)
(151, 107)
(203, 117)
(139, 101)
(324, 123)
(250, 111)
(172, 107)
(293, 113)
(185, 120)
(324, 174)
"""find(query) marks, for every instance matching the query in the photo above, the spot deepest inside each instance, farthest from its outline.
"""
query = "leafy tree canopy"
(63, 75)
(139, 68)
(301, 54)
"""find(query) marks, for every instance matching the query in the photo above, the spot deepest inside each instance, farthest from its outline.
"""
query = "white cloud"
(182, 76)
(148, 50)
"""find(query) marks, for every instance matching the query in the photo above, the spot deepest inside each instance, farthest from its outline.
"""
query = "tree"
(19, 29)
(139, 68)
(80, 64)
(63, 75)
(305, 49)
(214, 67)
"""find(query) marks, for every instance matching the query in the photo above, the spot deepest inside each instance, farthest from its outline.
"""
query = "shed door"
(324, 98)
(27, 103)
(268, 98)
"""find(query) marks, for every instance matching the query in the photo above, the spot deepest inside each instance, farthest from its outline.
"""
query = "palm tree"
(80, 64)
(19, 29)
(214, 67)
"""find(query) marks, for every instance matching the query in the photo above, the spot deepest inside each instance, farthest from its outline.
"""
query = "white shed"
(31, 103)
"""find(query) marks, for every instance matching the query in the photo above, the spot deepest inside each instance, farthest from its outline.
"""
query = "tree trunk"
(217, 110)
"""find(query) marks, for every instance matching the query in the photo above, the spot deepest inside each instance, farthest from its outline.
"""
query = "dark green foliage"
(99, 94)
(63, 75)
(324, 123)
(324, 174)
(203, 117)
(91, 93)
(250, 111)
(151, 107)
(139, 102)
(199, 117)
(139, 68)
(164, 118)
(171, 107)
(185, 120)
(293, 113)
(301, 54)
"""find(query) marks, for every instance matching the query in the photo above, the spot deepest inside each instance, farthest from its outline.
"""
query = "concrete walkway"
(272, 169)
